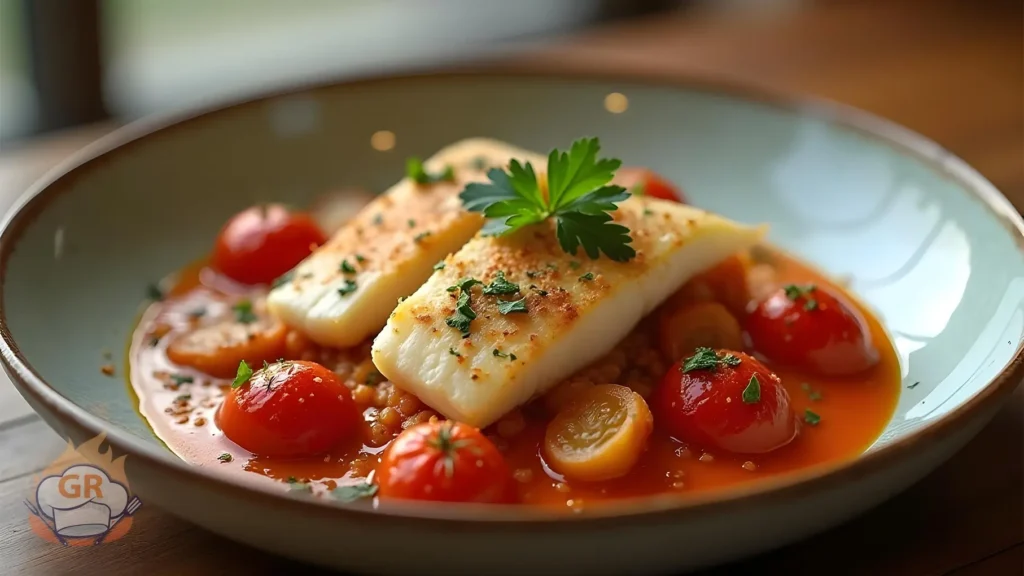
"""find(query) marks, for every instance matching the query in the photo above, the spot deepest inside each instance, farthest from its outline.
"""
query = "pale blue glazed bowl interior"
(943, 270)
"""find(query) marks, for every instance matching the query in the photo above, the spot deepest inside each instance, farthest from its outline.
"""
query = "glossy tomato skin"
(706, 407)
(811, 328)
(290, 409)
(262, 243)
(646, 182)
(444, 462)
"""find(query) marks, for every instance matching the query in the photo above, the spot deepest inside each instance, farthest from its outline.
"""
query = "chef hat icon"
(82, 501)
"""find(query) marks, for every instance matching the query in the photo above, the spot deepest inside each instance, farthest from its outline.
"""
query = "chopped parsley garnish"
(539, 291)
(411, 223)
(811, 417)
(499, 285)
(587, 277)
(225, 457)
(647, 212)
(243, 374)
(182, 379)
(575, 264)
(813, 394)
(416, 172)
(501, 354)
(182, 397)
(794, 293)
(346, 268)
(373, 378)
(453, 352)
(752, 393)
(378, 220)
(439, 265)
(243, 312)
(347, 288)
(464, 284)
(360, 258)
(354, 492)
(512, 306)
(708, 359)
(154, 293)
(579, 198)
(419, 237)
(463, 314)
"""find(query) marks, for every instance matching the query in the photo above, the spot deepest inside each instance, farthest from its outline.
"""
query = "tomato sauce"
(180, 404)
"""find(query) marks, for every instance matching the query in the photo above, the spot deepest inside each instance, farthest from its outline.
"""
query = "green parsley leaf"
(378, 219)
(243, 374)
(794, 293)
(353, 492)
(346, 268)
(813, 394)
(464, 284)
(752, 393)
(419, 237)
(708, 359)
(501, 354)
(154, 293)
(182, 397)
(411, 223)
(511, 306)
(462, 316)
(479, 163)
(575, 264)
(416, 172)
(499, 285)
(811, 417)
(453, 352)
(439, 265)
(225, 457)
(579, 199)
(243, 312)
(360, 258)
(587, 277)
(347, 288)
(182, 379)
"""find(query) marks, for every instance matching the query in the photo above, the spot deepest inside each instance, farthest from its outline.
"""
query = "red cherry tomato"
(642, 181)
(809, 327)
(446, 462)
(263, 242)
(289, 409)
(733, 403)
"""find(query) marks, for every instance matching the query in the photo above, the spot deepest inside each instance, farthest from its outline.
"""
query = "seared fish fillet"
(577, 309)
(343, 292)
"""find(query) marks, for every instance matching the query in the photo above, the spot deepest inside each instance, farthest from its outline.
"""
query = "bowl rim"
(44, 398)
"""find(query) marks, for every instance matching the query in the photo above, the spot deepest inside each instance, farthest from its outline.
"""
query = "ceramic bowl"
(923, 238)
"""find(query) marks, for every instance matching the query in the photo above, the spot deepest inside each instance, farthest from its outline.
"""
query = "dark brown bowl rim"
(469, 517)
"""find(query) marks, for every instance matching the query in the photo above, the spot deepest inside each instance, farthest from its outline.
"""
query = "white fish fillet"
(392, 244)
(571, 320)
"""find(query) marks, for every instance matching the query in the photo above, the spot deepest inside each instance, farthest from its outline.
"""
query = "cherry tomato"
(289, 409)
(446, 462)
(263, 242)
(645, 182)
(810, 327)
(727, 400)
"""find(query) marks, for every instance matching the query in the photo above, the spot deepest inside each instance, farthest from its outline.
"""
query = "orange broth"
(854, 411)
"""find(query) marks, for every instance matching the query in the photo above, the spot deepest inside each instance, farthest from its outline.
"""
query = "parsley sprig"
(578, 197)
(415, 170)
(708, 359)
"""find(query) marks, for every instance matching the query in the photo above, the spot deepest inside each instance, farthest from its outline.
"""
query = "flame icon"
(82, 498)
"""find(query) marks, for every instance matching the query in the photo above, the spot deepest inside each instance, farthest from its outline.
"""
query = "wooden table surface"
(950, 70)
